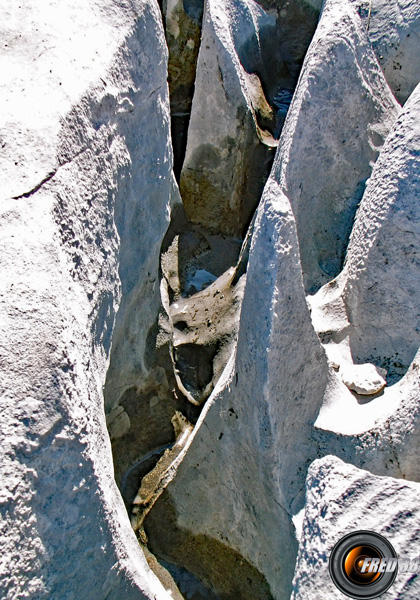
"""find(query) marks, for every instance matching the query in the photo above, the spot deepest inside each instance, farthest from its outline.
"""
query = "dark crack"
(37, 187)
(50, 175)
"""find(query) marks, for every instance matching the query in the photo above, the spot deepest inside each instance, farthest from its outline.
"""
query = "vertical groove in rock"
(203, 265)
(182, 22)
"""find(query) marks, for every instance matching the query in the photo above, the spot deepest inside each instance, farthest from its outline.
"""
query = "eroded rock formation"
(84, 95)
(248, 341)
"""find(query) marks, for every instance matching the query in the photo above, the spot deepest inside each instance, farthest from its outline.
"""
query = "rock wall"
(86, 159)
(288, 396)
(341, 113)
(251, 338)
(337, 494)
(248, 65)
(393, 29)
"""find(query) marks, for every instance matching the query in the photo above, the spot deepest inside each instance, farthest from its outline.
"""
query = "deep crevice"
(202, 272)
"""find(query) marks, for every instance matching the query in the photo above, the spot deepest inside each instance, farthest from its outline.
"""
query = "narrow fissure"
(182, 20)
(202, 278)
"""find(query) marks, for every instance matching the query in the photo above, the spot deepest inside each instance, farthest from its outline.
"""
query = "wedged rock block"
(244, 469)
(248, 65)
(341, 112)
(86, 164)
(341, 499)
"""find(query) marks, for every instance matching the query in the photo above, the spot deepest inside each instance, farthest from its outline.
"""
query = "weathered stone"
(279, 402)
(341, 499)
(205, 333)
(183, 28)
(364, 379)
(244, 467)
(88, 194)
(83, 97)
(248, 64)
(340, 115)
(375, 300)
(393, 27)
(381, 293)
(119, 426)
(380, 433)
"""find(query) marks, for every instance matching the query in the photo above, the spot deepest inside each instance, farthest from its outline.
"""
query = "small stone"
(364, 379)
(119, 426)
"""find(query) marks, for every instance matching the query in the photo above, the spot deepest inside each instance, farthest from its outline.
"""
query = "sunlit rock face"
(204, 386)
(341, 113)
(393, 29)
(340, 500)
(86, 158)
(378, 285)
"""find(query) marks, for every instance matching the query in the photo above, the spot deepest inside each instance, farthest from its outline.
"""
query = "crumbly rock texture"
(204, 385)
(84, 98)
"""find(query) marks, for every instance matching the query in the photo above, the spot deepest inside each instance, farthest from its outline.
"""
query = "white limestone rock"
(364, 379)
(243, 471)
(341, 112)
(249, 60)
(279, 403)
(380, 434)
(86, 162)
(341, 499)
(370, 314)
(377, 293)
(393, 27)
(381, 292)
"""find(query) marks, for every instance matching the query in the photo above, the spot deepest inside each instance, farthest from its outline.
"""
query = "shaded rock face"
(182, 20)
(261, 463)
(238, 406)
(248, 64)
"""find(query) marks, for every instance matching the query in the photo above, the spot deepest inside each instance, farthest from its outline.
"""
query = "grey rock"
(248, 53)
(341, 113)
(249, 449)
(182, 20)
(381, 292)
(341, 499)
(82, 100)
(374, 303)
(281, 401)
(394, 27)
(88, 192)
